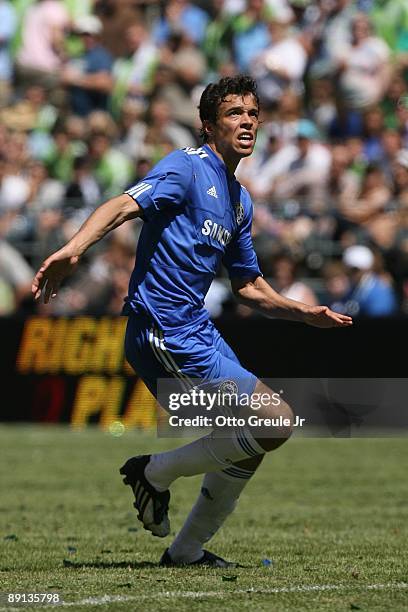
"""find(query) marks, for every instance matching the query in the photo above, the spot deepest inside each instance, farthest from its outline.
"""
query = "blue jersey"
(196, 216)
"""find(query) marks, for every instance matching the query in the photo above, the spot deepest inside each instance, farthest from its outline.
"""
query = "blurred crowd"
(94, 92)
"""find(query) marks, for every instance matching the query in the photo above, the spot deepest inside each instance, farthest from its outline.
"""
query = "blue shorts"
(185, 354)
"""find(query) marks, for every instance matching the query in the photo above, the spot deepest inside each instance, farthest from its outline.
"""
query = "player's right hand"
(52, 272)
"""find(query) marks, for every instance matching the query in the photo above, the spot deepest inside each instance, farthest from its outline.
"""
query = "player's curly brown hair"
(216, 93)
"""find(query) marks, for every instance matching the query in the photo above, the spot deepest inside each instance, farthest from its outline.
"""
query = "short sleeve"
(240, 258)
(165, 186)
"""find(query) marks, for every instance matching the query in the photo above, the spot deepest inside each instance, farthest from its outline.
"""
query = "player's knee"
(272, 419)
(279, 421)
(269, 404)
(288, 418)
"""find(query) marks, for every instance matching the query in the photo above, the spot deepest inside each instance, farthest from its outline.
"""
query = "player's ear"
(208, 129)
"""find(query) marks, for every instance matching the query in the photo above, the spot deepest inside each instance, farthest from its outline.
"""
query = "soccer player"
(196, 216)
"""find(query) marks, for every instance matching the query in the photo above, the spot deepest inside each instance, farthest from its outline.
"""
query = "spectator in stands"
(400, 251)
(315, 188)
(32, 113)
(178, 80)
(142, 166)
(132, 127)
(83, 193)
(370, 295)
(8, 25)
(61, 155)
(288, 114)
(132, 73)
(157, 135)
(391, 144)
(48, 229)
(370, 203)
(342, 178)
(389, 103)
(251, 34)
(336, 285)
(76, 128)
(402, 115)
(390, 20)
(262, 169)
(373, 128)
(88, 79)
(286, 280)
(332, 35)
(282, 64)
(400, 173)
(111, 167)
(99, 284)
(15, 278)
(14, 195)
(364, 66)
(180, 17)
(117, 16)
(162, 129)
(41, 55)
(322, 103)
(308, 174)
(217, 44)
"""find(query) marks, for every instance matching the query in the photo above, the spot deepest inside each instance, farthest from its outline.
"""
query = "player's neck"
(231, 163)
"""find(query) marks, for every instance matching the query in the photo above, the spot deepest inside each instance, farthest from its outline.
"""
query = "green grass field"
(331, 515)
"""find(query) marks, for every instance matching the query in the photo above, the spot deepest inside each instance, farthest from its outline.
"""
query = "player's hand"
(322, 316)
(52, 272)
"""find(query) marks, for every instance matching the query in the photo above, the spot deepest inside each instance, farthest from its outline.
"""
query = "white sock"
(217, 500)
(208, 454)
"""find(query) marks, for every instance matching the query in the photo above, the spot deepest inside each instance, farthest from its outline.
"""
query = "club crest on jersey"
(239, 212)
(228, 387)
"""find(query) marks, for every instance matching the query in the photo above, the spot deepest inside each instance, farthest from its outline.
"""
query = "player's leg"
(219, 450)
(220, 492)
(218, 495)
(152, 505)
(268, 410)
(216, 501)
(152, 475)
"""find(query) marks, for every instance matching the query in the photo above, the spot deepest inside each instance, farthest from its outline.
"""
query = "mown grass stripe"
(107, 599)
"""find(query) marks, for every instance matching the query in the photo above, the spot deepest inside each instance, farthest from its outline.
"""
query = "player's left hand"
(322, 316)
(52, 272)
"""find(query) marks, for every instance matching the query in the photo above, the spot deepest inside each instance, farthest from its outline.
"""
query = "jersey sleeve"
(240, 258)
(165, 186)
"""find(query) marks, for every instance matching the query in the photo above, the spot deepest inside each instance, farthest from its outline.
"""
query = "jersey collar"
(217, 161)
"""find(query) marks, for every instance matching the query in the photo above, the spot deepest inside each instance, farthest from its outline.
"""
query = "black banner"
(74, 370)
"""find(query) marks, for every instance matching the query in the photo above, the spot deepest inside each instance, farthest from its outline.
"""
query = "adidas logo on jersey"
(212, 192)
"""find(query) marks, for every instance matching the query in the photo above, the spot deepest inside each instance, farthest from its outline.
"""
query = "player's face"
(234, 133)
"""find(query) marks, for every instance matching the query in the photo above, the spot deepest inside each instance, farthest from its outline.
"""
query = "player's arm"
(63, 262)
(259, 295)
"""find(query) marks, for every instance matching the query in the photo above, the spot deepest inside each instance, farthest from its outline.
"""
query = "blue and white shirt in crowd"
(196, 216)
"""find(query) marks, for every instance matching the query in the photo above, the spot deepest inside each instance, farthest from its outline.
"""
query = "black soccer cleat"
(152, 505)
(208, 559)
